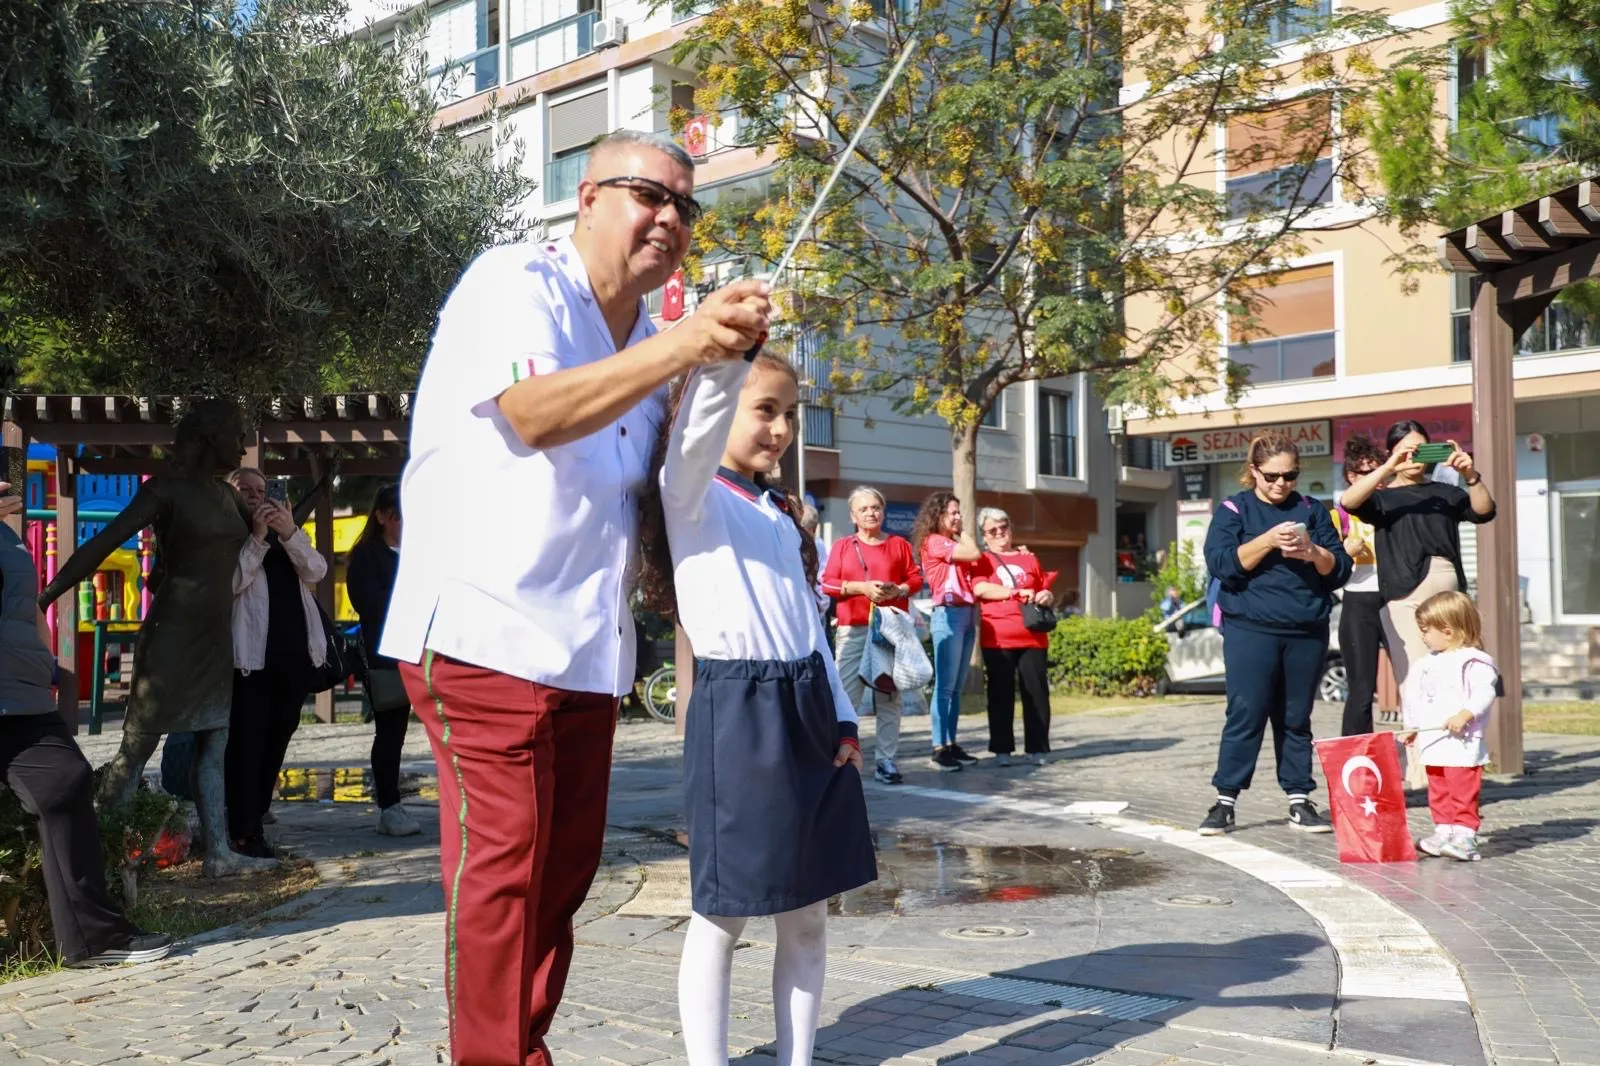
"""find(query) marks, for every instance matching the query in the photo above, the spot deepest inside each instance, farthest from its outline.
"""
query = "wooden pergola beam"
(1548, 274)
(1522, 233)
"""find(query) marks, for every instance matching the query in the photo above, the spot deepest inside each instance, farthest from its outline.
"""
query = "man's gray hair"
(641, 139)
(991, 514)
(809, 519)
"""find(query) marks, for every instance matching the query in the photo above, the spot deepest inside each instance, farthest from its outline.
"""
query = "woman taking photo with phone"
(1418, 530)
(1278, 560)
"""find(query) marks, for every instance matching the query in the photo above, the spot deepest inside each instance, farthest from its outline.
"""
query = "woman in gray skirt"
(776, 815)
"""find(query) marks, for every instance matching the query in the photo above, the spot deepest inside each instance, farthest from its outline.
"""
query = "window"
(995, 416)
(1298, 18)
(1058, 434)
(574, 124)
(548, 33)
(462, 45)
(1280, 157)
(1297, 320)
(1462, 289)
(1146, 453)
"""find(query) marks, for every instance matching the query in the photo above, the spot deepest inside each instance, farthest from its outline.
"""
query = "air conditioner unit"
(1114, 418)
(608, 33)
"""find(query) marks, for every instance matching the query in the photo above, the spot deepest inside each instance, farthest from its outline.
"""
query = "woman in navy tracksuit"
(1278, 560)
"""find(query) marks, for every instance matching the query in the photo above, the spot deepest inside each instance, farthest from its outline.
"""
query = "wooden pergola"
(354, 434)
(1520, 260)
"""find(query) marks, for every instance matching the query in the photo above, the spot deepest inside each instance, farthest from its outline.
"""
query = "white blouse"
(741, 586)
(1438, 687)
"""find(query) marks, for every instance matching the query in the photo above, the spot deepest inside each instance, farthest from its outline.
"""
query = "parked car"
(1194, 655)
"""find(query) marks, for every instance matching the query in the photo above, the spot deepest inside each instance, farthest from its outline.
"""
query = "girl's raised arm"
(700, 435)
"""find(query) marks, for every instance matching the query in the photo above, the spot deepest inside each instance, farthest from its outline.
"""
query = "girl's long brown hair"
(929, 517)
(656, 584)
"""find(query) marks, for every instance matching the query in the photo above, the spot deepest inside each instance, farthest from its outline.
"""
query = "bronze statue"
(183, 659)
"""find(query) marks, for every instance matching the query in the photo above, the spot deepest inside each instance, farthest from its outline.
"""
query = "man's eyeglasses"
(655, 196)
(1272, 477)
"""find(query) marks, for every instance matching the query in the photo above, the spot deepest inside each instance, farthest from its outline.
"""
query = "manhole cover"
(984, 932)
(1196, 901)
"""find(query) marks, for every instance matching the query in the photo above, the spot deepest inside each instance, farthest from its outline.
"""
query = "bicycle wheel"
(661, 693)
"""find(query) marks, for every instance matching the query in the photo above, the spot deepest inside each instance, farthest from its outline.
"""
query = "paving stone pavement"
(352, 972)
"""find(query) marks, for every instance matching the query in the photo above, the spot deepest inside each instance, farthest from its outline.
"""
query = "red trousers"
(523, 773)
(1453, 795)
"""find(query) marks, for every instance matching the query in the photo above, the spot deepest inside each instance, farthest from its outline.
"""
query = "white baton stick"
(838, 169)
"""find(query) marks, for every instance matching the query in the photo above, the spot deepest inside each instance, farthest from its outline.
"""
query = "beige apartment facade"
(1345, 346)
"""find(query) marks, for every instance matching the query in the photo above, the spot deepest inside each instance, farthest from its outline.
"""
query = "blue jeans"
(954, 629)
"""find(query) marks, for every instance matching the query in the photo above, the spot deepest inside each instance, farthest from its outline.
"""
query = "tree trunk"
(964, 473)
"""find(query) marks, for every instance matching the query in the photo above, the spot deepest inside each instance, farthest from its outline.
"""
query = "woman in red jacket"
(871, 567)
(1011, 651)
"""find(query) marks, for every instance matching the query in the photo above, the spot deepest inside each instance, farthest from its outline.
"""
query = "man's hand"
(848, 753)
(727, 324)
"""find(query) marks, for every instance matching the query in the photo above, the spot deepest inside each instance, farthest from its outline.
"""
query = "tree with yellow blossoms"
(1043, 191)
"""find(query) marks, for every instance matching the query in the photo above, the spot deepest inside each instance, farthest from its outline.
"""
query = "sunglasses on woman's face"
(1272, 477)
(995, 530)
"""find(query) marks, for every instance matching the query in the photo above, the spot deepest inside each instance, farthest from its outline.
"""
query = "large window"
(1297, 320)
(574, 124)
(1058, 434)
(1570, 323)
(1280, 156)
(548, 33)
(462, 43)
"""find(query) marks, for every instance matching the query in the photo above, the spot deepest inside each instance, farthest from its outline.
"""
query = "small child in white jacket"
(1446, 700)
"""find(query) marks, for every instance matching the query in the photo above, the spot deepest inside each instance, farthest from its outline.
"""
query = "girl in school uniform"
(1446, 701)
(776, 814)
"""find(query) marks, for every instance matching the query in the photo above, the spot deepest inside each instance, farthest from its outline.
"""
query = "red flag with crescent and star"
(1366, 798)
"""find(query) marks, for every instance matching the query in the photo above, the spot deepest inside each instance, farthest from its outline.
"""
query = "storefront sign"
(1443, 423)
(1233, 445)
(1196, 482)
(1194, 520)
(898, 518)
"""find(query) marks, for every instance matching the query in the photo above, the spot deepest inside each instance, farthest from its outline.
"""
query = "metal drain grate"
(1080, 999)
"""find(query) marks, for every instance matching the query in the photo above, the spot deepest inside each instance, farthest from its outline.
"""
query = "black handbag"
(1035, 619)
(342, 660)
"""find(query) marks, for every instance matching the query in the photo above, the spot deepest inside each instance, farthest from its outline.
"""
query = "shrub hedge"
(1107, 656)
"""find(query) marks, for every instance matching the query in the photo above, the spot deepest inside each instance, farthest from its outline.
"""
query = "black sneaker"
(145, 947)
(887, 773)
(945, 761)
(962, 757)
(1303, 815)
(1219, 820)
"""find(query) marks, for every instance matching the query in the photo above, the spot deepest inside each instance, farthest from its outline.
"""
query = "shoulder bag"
(1035, 619)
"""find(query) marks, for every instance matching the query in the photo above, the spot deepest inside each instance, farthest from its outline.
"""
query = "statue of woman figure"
(183, 659)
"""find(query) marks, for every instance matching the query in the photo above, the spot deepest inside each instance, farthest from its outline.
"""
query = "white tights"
(705, 975)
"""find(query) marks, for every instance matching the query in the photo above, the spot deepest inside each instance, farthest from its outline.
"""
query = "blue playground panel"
(96, 492)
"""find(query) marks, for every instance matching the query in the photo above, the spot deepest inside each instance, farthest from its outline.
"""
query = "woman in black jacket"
(369, 580)
(1278, 560)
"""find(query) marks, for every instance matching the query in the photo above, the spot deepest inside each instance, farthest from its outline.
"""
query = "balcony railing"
(561, 176)
(818, 427)
(471, 74)
(553, 44)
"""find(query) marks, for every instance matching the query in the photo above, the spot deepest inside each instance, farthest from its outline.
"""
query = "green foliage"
(1107, 656)
(128, 838)
(196, 201)
(1012, 198)
(1182, 570)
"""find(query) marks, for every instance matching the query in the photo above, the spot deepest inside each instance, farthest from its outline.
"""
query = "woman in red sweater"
(871, 567)
(1011, 651)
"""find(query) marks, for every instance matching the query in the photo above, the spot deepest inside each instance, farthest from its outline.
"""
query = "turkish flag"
(672, 297)
(1366, 798)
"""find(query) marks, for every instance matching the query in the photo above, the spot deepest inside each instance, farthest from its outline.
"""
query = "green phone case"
(1433, 453)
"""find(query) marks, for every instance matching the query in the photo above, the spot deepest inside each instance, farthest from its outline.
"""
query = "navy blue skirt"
(773, 824)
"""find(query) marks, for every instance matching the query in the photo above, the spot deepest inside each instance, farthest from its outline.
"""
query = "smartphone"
(1432, 453)
(278, 490)
(1300, 531)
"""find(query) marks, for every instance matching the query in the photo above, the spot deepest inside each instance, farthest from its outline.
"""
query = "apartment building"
(558, 74)
(1347, 350)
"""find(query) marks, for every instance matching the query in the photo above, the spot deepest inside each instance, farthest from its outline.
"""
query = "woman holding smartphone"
(1277, 560)
(1418, 530)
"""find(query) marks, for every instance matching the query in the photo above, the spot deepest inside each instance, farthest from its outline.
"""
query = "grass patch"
(182, 903)
(1582, 719)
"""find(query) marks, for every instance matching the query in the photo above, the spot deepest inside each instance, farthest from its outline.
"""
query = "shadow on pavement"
(909, 1020)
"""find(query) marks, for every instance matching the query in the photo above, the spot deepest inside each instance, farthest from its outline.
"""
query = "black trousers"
(1360, 636)
(388, 741)
(266, 713)
(1002, 667)
(1272, 678)
(42, 764)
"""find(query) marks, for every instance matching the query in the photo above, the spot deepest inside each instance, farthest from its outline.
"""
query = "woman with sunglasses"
(1278, 560)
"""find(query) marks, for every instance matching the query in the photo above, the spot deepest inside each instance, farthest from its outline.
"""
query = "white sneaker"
(1462, 846)
(1434, 844)
(1003, 759)
(1038, 758)
(395, 822)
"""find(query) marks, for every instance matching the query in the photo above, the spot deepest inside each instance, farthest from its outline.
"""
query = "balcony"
(553, 44)
(1142, 465)
(818, 427)
(458, 79)
(561, 177)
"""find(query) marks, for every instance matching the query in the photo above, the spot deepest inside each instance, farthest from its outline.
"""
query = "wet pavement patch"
(917, 874)
(347, 784)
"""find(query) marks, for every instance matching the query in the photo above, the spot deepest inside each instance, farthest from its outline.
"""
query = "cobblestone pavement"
(920, 971)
